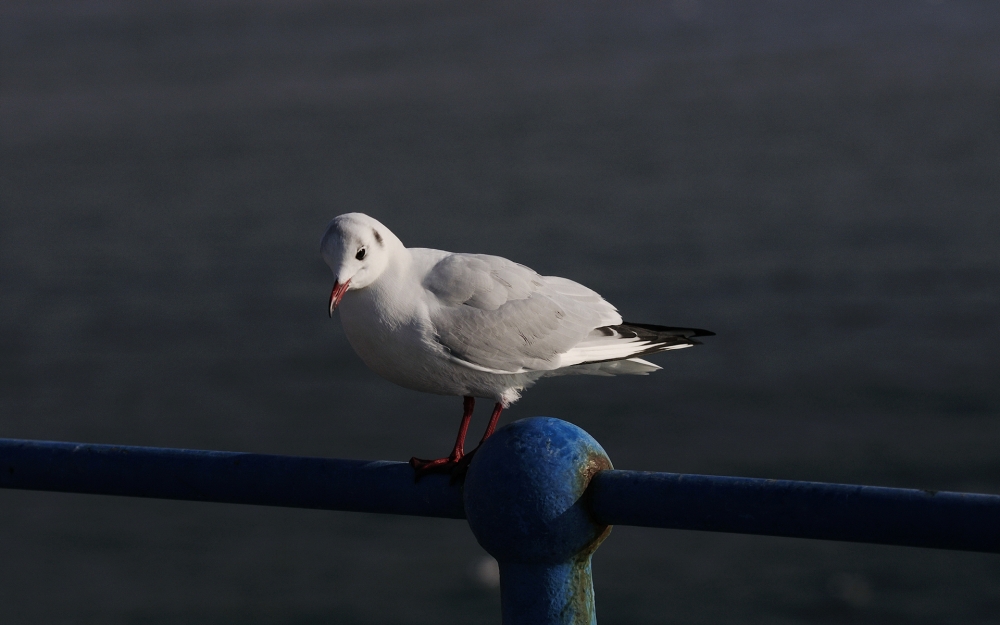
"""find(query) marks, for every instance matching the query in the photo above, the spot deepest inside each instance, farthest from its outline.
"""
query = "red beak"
(337, 294)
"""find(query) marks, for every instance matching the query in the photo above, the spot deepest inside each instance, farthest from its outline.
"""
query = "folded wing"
(499, 316)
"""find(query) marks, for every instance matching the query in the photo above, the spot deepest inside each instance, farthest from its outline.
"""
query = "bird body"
(474, 325)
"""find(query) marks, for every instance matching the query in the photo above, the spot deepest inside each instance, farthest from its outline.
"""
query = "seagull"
(473, 325)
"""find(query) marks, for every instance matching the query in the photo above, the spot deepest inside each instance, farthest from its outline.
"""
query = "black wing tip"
(685, 332)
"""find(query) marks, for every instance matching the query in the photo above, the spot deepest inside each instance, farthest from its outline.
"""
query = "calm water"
(818, 182)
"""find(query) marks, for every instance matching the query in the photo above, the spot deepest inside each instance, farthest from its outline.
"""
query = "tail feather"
(629, 340)
(650, 330)
(610, 368)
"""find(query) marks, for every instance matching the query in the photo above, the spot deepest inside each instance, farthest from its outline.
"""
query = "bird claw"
(457, 467)
(423, 467)
(441, 465)
(460, 468)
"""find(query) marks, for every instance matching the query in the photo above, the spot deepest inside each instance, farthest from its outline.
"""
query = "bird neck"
(395, 280)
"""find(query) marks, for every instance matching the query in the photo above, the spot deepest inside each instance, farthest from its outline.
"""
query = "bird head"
(357, 250)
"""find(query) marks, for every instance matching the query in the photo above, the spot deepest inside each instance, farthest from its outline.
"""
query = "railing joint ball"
(525, 502)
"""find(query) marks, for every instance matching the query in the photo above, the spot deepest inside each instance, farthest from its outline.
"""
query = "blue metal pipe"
(227, 477)
(891, 516)
(540, 496)
(867, 514)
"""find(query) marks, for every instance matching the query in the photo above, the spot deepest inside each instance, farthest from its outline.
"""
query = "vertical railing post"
(523, 499)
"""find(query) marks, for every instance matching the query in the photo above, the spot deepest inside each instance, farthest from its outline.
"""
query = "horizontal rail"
(227, 477)
(891, 516)
(866, 514)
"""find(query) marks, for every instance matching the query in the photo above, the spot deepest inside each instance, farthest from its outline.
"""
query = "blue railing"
(540, 496)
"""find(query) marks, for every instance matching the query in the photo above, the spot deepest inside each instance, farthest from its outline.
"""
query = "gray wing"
(494, 314)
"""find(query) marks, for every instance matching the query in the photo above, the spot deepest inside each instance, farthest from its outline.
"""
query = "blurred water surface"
(818, 182)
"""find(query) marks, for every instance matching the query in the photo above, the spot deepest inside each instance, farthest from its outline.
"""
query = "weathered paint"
(524, 499)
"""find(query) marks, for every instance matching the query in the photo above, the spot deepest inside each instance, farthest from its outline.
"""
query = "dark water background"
(818, 182)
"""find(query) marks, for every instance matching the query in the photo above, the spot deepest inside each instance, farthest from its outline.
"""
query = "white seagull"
(474, 325)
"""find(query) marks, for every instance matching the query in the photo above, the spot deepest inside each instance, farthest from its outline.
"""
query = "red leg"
(463, 465)
(493, 423)
(468, 405)
(443, 465)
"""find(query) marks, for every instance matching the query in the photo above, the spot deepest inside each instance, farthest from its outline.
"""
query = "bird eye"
(361, 254)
